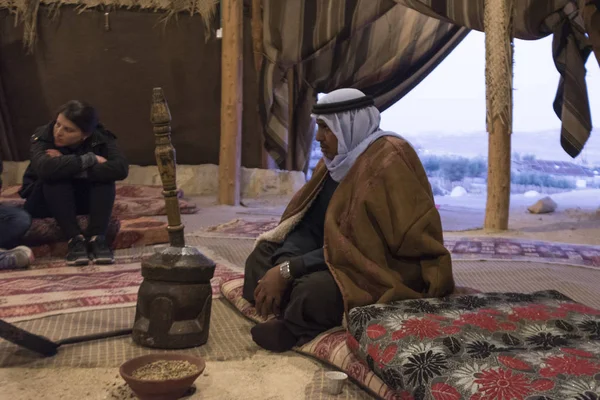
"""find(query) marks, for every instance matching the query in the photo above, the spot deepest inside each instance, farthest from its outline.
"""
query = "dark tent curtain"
(591, 18)
(8, 144)
(386, 48)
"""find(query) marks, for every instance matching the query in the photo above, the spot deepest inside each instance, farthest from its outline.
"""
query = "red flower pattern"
(451, 330)
(422, 328)
(503, 384)
(507, 326)
(399, 334)
(352, 342)
(542, 385)
(569, 365)
(480, 320)
(577, 352)
(375, 331)
(533, 312)
(382, 358)
(443, 391)
(490, 311)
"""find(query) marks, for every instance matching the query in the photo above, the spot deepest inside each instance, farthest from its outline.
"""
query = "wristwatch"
(284, 270)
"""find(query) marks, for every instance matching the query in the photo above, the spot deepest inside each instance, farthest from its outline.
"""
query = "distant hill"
(543, 145)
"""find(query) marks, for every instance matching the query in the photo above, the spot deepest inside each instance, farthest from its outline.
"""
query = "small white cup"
(335, 382)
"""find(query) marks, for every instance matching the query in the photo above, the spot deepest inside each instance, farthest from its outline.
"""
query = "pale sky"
(452, 98)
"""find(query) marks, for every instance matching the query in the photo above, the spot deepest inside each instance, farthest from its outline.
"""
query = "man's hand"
(269, 291)
(100, 159)
(53, 153)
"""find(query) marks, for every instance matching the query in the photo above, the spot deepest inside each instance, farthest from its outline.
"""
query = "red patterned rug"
(132, 201)
(131, 223)
(243, 228)
(472, 248)
(54, 288)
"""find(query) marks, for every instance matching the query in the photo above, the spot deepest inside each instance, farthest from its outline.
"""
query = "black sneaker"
(78, 254)
(100, 253)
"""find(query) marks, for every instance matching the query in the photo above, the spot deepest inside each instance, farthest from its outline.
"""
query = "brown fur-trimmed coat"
(383, 233)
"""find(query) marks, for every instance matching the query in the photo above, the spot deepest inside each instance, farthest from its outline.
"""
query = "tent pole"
(230, 153)
(498, 22)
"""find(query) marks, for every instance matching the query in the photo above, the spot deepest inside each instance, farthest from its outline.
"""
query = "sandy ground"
(576, 220)
(257, 378)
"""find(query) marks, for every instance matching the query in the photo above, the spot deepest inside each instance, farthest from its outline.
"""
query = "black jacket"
(42, 167)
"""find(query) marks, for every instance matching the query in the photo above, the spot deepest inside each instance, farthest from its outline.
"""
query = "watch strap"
(284, 270)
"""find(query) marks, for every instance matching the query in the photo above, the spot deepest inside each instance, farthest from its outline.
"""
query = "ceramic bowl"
(170, 389)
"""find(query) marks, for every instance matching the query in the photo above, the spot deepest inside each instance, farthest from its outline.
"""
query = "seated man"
(75, 162)
(363, 230)
(14, 223)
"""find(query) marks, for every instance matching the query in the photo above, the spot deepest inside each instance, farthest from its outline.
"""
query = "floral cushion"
(482, 346)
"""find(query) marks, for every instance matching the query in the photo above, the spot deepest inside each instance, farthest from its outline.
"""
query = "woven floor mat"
(579, 283)
(315, 390)
(229, 339)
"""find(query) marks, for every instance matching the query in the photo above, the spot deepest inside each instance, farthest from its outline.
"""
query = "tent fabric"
(8, 145)
(535, 19)
(334, 44)
(385, 48)
(591, 18)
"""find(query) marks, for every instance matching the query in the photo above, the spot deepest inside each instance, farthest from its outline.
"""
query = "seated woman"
(14, 223)
(363, 230)
(75, 162)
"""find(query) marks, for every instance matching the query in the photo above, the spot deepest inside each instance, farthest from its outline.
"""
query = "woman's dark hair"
(81, 114)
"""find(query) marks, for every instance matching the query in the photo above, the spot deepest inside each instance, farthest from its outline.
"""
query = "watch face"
(284, 269)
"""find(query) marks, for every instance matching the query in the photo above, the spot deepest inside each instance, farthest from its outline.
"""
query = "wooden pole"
(231, 103)
(499, 72)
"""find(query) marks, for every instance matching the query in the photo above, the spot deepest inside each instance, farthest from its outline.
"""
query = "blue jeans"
(14, 223)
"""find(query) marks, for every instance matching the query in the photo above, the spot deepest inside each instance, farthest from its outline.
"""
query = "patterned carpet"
(58, 289)
(132, 201)
(472, 248)
(132, 222)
